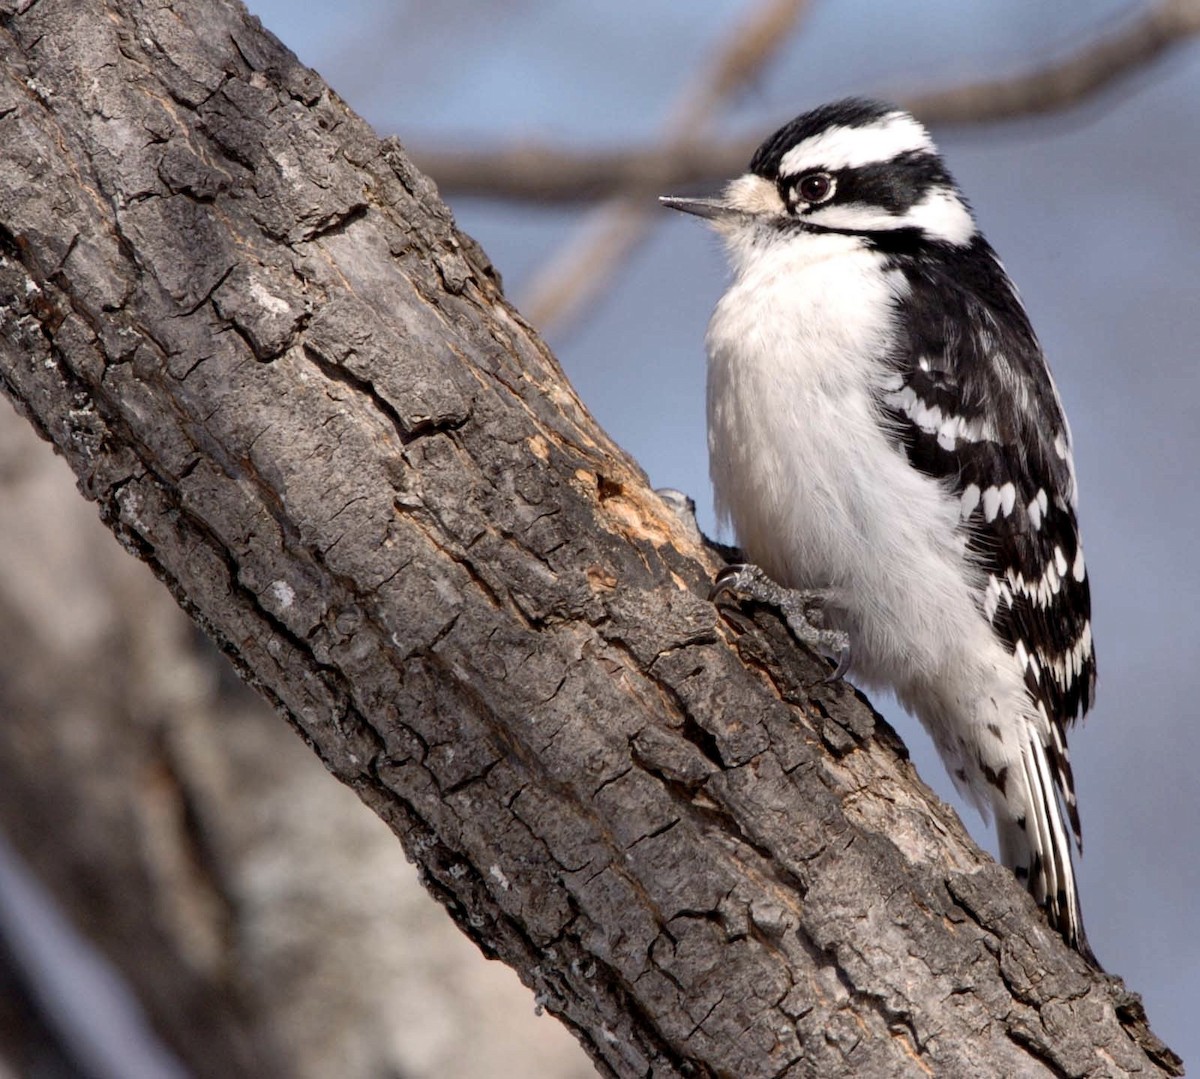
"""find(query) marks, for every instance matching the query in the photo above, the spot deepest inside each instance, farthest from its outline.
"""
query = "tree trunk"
(203, 848)
(297, 392)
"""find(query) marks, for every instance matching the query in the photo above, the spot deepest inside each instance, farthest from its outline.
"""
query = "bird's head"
(855, 167)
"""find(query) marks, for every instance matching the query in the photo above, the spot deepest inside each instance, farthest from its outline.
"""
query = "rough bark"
(203, 848)
(297, 392)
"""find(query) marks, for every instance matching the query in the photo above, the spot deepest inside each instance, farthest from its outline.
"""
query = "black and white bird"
(884, 435)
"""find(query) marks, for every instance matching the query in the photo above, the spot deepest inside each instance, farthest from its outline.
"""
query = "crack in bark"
(337, 222)
(1038, 1051)
(406, 432)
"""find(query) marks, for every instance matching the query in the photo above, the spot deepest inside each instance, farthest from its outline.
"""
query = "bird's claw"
(736, 577)
(843, 663)
(793, 604)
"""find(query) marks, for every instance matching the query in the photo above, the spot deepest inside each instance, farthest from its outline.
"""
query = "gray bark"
(202, 847)
(294, 389)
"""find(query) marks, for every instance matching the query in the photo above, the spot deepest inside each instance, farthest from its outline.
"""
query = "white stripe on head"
(844, 147)
(941, 215)
(854, 216)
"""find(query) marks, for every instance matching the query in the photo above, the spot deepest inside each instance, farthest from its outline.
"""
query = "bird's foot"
(798, 607)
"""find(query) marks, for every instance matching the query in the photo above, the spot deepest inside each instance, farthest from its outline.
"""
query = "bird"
(887, 442)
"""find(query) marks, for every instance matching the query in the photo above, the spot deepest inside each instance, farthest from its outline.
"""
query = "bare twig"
(585, 265)
(535, 173)
(1070, 80)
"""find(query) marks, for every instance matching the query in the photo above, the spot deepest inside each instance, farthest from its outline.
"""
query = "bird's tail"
(1034, 844)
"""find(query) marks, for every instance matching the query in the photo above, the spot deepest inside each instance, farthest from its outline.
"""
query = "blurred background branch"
(585, 267)
(687, 154)
(543, 173)
(586, 263)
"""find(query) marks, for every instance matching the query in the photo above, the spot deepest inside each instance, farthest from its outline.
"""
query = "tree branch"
(295, 391)
(202, 848)
(533, 173)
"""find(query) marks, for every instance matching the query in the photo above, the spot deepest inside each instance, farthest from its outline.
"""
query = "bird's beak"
(713, 209)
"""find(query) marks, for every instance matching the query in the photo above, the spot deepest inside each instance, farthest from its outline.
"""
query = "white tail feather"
(1035, 846)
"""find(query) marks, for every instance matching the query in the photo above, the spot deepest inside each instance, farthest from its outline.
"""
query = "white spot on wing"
(930, 419)
(1067, 666)
(926, 417)
(903, 401)
(1079, 570)
(991, 503)
(1043, 590)
(1008, 497)
(1034, 512)
(970, 499)
(955, 429)
(978, 430)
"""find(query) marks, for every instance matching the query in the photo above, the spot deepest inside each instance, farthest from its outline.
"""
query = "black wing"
(973, 405)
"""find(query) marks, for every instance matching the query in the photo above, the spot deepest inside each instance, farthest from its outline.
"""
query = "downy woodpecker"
(885, 436)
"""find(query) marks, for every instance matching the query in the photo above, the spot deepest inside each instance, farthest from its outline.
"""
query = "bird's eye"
(815, 187)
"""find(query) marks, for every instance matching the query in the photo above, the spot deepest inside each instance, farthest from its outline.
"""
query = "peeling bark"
(297, 392)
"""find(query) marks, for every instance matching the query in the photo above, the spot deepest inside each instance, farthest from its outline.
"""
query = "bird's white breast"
(802, 464)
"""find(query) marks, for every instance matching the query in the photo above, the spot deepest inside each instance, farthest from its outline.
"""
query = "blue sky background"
(1097, 216)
